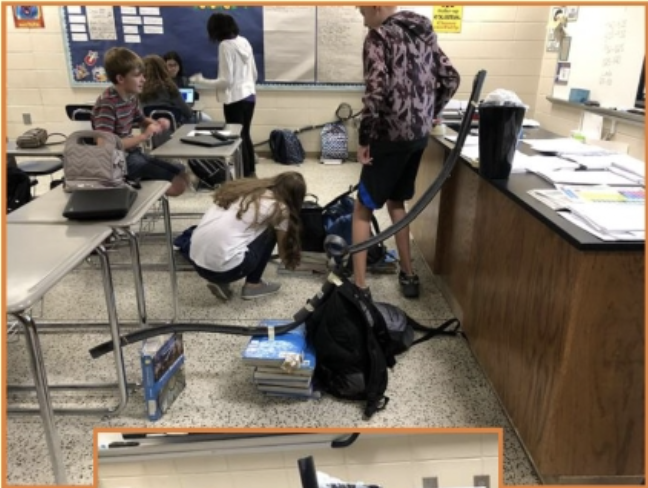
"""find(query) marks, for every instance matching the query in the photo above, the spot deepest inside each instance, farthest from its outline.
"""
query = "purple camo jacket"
(408, 80)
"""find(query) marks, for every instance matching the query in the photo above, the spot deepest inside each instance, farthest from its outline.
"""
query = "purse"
(312, 226)
(36, 138)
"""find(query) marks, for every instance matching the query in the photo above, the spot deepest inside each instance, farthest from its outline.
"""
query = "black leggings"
(242, 113)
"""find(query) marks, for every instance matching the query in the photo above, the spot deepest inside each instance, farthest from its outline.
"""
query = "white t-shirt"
(220, 240)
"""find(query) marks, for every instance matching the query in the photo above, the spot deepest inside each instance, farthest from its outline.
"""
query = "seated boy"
(117, 109)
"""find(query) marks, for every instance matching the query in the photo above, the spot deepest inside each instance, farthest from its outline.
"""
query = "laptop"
(188, 95)
(211, 126)
(108, 204)
(206, 141)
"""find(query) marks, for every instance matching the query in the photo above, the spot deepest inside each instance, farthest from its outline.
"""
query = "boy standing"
(408, 81)
(117, 109)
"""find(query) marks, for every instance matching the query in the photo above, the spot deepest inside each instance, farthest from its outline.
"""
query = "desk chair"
(79, 112)
(172, 114)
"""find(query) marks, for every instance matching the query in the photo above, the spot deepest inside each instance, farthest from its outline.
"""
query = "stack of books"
(283, 365)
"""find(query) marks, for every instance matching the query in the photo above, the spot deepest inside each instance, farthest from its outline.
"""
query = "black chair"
(79, 112)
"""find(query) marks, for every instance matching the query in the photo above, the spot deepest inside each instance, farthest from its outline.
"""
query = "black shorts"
(392, 172)
(144, 167)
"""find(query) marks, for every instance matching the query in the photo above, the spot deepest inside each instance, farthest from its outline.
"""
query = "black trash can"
(499, 130)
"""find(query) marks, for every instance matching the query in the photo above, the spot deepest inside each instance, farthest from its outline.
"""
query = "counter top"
(517, 186)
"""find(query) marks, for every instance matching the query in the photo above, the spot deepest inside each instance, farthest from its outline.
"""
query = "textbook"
(263, 351)
(163, 373)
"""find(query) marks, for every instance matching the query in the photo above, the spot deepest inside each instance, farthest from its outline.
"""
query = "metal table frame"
(79, 243)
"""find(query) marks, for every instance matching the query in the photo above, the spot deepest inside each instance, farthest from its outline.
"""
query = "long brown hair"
(288, 188)
(157, 79)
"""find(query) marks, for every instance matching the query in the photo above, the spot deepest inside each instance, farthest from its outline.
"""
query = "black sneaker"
(409, 285)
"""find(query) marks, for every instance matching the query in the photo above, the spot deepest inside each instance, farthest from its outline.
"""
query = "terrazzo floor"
(436, 384)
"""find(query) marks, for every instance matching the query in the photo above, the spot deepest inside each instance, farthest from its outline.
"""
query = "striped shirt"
(112, 113)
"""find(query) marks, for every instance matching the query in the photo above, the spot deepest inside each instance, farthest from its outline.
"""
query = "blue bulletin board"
(89, 31)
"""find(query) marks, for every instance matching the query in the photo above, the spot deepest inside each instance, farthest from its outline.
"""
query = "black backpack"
(18, 188)
(355, 341)
(210, 172)
(286, 147)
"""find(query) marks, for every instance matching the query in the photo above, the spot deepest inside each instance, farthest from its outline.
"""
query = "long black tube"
(329, 285)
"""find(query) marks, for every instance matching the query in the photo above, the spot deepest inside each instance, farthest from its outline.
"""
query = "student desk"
(48, 209)
(173, 148)
(53, 151)
(554, 316)
(32, 270)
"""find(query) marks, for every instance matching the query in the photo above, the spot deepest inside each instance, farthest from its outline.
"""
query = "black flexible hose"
(330, 284)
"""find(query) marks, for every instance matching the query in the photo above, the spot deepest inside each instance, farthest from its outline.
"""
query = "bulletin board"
(294, 47)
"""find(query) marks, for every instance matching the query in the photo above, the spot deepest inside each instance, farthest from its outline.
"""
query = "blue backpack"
(286, 147)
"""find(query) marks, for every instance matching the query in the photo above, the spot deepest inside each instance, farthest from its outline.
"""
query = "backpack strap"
(376, 399)
(429, 333)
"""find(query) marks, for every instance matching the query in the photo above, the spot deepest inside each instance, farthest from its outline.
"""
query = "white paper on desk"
(583, 178)
(630, 164)
(554, 199)
(471, 152)
(624, 236)
(564, 146)
(530, 123)
(611, 218)
(549, 163)
(470, 140)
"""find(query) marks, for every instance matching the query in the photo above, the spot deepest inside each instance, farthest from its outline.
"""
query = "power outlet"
(482, 481)
(27, 119)
(431, 482)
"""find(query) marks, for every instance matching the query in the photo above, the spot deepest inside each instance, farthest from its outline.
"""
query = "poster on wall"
(447, 19)
(552, 46)
(28, 17)
(562, 73)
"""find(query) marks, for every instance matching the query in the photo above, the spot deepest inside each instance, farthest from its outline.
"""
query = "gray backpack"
(94, 160)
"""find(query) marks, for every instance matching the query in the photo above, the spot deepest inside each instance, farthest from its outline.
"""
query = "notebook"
(205, 141)
(108, 204)
(211, 125)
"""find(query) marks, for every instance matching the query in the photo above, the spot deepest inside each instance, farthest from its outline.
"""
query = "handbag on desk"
(36, 138)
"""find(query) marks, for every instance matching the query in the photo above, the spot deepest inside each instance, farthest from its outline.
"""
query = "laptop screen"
(188, 95)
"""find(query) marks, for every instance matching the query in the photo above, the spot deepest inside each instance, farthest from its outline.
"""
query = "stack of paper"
(611, 217)
(629, 168)
(603, 194)
(583, 178)
(554, 199)
(565, 146)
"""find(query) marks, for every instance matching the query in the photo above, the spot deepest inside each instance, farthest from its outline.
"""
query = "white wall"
(397, 461)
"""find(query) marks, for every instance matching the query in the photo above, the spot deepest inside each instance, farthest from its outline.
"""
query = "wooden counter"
(554, 316)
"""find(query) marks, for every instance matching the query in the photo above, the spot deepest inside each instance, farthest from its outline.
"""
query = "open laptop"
(188, 95)
(108, 204)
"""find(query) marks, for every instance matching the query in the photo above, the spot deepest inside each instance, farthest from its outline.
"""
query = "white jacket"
(237, 72)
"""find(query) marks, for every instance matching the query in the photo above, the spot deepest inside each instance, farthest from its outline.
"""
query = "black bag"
(402, 328)
(286, 147)
(356, 340)
(312, 226)
(18, 188)
(210, 172)
(351, 343)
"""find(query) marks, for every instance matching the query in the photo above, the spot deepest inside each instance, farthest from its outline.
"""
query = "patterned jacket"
(408, 79)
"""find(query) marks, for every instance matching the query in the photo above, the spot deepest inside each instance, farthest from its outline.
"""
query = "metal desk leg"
(34, 348)
(44, 401)
(137, 274)
(109, 292)
(172, 263)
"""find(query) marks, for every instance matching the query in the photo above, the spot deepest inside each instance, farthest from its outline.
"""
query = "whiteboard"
(607, 54)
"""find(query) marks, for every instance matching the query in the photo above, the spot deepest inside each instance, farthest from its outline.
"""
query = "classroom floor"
(436, 384)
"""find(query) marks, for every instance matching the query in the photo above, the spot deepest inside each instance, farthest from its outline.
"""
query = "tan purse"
(36, 138)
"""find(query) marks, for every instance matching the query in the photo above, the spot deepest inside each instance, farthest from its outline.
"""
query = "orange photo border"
(3, 142)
